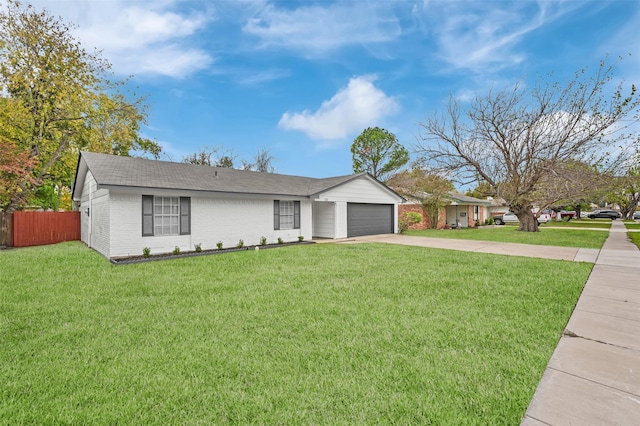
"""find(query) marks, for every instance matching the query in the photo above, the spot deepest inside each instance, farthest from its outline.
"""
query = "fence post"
(6, 229)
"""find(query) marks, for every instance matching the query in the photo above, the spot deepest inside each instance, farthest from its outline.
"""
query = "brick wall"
(426, 222)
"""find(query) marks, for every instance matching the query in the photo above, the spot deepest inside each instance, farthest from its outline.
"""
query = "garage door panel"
(369, 219)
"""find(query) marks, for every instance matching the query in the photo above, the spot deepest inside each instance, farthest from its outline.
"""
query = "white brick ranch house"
(128, 204)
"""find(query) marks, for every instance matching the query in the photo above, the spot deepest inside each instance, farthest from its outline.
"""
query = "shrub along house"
(128, 204)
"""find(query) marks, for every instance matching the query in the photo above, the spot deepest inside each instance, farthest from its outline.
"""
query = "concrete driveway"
(508, 249)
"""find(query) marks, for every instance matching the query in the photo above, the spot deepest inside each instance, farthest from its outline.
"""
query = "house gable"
(362, 189)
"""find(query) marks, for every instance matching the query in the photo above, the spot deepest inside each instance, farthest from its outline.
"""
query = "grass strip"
(511, 234)
(315, 334)
(634, 237)
(577, 223)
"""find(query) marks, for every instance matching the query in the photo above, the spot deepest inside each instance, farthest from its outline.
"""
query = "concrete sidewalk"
(593, 377)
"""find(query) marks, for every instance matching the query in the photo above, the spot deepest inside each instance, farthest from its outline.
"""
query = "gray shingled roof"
(118, 171)
(467, 199)
(453, 196)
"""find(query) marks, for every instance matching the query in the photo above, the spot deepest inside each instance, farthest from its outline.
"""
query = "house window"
(286, 214)
(166, 215)
(476, 212)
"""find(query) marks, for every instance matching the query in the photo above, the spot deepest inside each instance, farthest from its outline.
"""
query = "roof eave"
(204, 191)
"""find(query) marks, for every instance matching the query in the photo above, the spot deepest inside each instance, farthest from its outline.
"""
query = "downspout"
(89, 212)
(335, 220)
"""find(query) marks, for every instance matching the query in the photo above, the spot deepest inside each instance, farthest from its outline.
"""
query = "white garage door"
(369, 219)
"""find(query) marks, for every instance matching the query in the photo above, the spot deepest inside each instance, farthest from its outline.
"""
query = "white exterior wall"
(231, 219)
(341, 219)
(324, 219)
(87, 186)
(213, 219)
(361, 190)
(95, 226)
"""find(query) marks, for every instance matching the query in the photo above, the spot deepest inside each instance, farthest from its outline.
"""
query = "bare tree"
(572, 183)
(211, 156)
(515, 138)
(263, 161)
(625, 191)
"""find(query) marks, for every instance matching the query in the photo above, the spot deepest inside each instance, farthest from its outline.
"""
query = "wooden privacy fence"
(38, 228)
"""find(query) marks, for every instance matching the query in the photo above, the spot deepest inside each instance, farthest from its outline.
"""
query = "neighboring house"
(497, 207)
(461, 212)
(128, 204)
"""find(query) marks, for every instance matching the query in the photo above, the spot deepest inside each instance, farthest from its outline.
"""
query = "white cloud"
(170, 60)
(478, 36)
(255, 78)
(139, 38)
(315, 30)
(353, 108)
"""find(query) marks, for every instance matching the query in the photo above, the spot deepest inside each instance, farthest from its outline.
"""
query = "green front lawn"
(511, 234)
(578, 223)
(313, 334)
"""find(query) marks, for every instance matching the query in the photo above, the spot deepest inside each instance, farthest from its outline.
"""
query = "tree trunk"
(528, 221)
(630, 207)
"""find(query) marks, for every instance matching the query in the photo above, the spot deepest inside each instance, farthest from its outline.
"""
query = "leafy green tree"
(14, 163)
(432, 190)
(378, 152)
(481, 191)
(57, 100)
(225, 161)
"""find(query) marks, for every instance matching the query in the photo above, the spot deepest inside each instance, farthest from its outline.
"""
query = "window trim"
(149, 200)
(184, 204)
(277, 216)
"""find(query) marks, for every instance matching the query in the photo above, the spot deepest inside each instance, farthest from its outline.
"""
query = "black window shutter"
(296, 215)
(185, 215)
(276, 214)
(147, 215)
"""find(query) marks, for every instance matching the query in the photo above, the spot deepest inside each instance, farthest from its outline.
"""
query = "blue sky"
(303, 79)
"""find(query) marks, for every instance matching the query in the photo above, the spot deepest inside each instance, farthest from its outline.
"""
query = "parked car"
(561, 215)
(604, 214)
(510, 217)
(545, 216)
(636, 215)
(567, 215)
